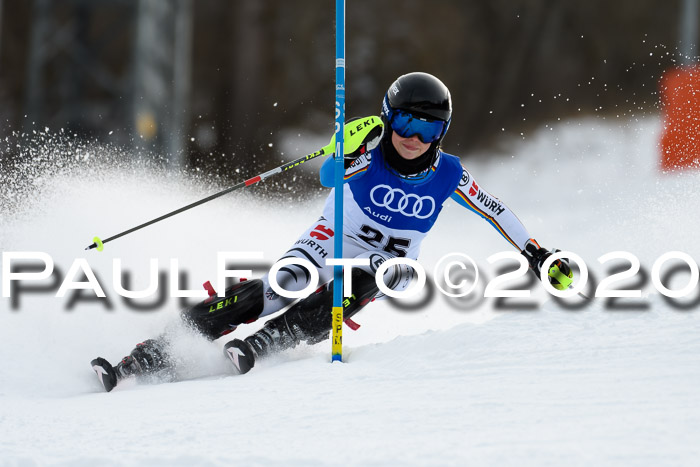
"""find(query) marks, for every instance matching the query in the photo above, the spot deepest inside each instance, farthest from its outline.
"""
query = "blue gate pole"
(339, 165)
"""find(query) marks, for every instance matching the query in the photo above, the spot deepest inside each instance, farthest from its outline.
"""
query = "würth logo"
(494, 205)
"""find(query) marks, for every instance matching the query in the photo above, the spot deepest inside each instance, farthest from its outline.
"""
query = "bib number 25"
(392, 245)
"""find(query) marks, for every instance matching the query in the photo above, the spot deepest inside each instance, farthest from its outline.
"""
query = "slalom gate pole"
(328, 149)
(339, 165)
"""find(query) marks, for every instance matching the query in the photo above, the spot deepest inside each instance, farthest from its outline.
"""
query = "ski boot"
(309, 320)
(147, 359)
(213, 318)
(275, 336)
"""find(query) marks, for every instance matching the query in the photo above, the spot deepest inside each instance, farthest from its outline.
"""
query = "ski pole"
(583, 295)
(328, 149)
(361, 132)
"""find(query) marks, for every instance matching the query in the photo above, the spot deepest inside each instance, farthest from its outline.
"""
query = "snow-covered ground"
(442, 382)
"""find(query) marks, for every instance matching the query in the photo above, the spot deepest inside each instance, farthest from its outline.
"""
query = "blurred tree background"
(222, 84)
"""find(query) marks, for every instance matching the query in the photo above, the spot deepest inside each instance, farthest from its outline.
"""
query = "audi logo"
(396, 200)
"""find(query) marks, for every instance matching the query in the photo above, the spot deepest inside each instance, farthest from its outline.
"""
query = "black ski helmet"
(425, 96)
(421, 94)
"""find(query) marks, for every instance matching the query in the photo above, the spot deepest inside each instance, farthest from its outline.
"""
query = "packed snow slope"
(432, 380)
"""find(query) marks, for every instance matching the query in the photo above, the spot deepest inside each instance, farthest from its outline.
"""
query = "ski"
(105, 373)
(241, 355)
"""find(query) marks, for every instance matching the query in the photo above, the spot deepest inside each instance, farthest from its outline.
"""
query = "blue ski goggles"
(406, 125)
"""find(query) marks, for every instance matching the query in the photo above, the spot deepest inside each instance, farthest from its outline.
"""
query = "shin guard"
(310, 319)
(217, 316)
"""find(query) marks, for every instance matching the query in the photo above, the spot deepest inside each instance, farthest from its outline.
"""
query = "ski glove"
(361, 136)
(560, 274)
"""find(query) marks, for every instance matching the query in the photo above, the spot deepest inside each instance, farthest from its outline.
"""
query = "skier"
(395, 187)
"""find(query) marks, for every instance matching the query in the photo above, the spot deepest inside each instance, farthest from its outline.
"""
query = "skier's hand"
(361, 136)
(560, 274)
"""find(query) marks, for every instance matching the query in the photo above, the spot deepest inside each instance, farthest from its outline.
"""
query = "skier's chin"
(410, 153)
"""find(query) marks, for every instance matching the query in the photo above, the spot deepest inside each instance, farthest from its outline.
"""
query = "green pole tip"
(98, 242)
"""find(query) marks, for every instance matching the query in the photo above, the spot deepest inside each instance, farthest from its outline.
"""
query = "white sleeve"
(470, 195)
